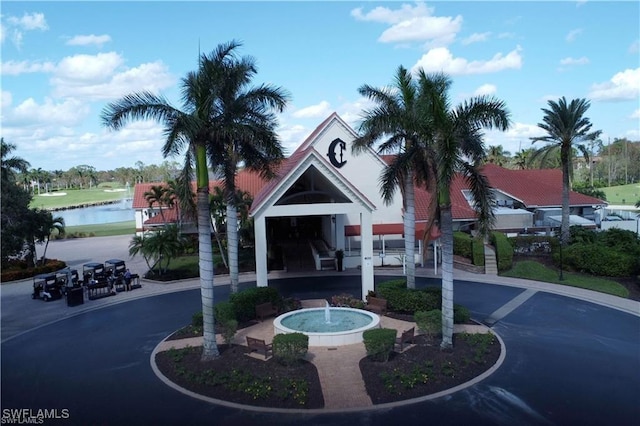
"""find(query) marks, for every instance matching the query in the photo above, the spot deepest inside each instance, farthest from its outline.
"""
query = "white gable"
(362, 170)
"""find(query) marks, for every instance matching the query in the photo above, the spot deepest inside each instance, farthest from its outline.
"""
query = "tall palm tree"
(243, 132)
(190, 130)
(456, 147)
(397, 120)
(567, 128)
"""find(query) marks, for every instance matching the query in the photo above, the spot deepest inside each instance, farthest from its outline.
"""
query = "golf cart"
(123, 280)
(96, 282)
(71, 286)
(46, 287)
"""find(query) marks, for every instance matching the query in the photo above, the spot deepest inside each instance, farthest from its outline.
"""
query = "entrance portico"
(313, 188)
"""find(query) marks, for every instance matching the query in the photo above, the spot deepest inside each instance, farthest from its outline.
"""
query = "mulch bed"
(187, 371)
(446, 370)
(424, 369)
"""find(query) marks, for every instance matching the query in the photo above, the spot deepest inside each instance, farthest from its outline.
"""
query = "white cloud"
(441, 60)
(573, 34)
(33, 21)
(5, 99)
(485, 89)
(574, 61)
(635, 114)
(476, 38)
(23, 67)
(84, 40)
(292, 135)
(103, 76)
(17, 26)
(413, 24)
(3, 33)
(29, 113)
(580, 3)
(314, 111)
(634, 47)
(506, 35)
(623, 86)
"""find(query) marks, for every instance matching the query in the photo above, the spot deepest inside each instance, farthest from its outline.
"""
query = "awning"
(393, 229)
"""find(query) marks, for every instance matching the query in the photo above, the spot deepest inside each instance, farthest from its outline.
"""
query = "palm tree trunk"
(232, 245)
(205, 251)
(410, 230)
(447, 276)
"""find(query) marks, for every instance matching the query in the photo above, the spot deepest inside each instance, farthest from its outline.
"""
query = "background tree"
(566, 128)
(14, 202)
(55, 226)
(161, 196)
(497, 155)
(522, 159)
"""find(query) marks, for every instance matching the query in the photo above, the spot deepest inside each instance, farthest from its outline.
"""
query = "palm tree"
(160, 195)
(243, 132)
(522, 159)
(397, 120)
(455, 147)
(567, 128)
(192, 128)
(11, 165)
(55, 224)
(497, 155)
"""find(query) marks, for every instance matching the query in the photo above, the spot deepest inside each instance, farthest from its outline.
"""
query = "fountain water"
(328, 326)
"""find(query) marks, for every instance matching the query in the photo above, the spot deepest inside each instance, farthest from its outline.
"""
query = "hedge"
(23, 273)
(245, 301)
(291, 348)
(379, 343)
(504, 251)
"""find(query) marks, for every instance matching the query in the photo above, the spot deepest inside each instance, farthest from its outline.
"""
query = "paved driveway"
(568, 362)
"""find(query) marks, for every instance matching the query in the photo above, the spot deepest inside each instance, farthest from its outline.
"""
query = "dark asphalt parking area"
(568, 362)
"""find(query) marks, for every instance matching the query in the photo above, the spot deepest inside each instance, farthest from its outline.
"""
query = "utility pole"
(609, 161)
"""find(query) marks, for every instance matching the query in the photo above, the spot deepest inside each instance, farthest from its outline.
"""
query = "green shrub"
(379, 343)
(461, 315)
(244, 302)
(228, 330)
(462, 244)
(596, 259)
(347, 300)
(290, 348)
(504, 251)
(399, 284)
(477, 245)
(429, 322)
(223, 312)
(197, 320)
(410, 300)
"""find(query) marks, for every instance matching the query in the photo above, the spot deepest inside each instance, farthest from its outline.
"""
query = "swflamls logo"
(28, 416)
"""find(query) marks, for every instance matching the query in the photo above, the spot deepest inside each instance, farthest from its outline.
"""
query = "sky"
(62, 62)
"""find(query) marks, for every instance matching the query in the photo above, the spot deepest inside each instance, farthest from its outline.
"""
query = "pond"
(121, 211)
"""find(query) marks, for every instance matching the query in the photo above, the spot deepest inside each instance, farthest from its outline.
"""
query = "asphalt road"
(568, 362)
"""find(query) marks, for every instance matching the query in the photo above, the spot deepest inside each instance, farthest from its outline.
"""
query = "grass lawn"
(103, 229)
(623, 194)
(76, 197)
(535, 271)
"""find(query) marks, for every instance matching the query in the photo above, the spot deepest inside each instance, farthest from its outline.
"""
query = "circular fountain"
(327, 326)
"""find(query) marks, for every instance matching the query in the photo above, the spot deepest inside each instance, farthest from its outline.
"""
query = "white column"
(366, 238)
(260, 230)
(340, 239)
